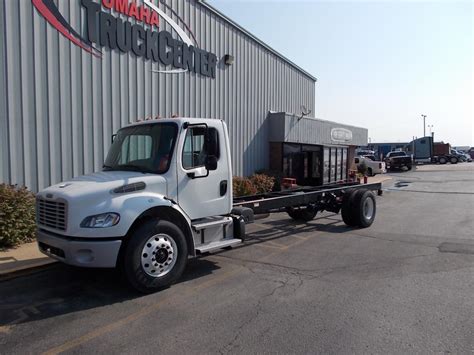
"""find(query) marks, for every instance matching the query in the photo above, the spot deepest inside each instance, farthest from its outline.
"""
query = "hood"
(93, 194)
(95, 186)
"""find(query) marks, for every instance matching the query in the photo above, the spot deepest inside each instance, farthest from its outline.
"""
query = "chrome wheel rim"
(159, 255)
(369, 208)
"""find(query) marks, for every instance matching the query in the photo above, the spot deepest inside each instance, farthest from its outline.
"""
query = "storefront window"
(326, 165)
(313, 165)
(339, 166)
(291, 159)
(333, 164)
(344, 163)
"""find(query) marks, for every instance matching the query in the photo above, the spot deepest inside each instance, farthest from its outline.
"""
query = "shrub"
(262, 183)
(17, 215)
(242, 186)
(276, 175)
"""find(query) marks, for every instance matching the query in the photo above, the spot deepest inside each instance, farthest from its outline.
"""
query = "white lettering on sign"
(341, 135)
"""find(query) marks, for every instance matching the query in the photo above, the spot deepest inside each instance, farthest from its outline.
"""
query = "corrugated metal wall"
(59, 106)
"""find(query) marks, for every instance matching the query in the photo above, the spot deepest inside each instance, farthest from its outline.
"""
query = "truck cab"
(178, 169)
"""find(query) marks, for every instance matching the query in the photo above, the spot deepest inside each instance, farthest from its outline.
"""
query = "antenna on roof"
(304, 112)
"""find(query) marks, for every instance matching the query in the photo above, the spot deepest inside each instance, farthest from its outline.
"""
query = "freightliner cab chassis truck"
(164, 195)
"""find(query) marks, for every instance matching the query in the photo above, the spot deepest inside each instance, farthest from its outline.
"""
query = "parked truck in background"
(398, 160)
(164, 195)
(373, 165)
(442, 154)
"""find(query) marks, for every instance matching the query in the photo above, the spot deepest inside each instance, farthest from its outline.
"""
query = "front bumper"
(79, 251)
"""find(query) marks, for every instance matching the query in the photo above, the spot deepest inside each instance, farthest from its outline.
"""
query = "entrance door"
(314, 168)
(304, 163)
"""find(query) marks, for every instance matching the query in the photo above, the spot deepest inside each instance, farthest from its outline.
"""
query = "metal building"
(72, 72)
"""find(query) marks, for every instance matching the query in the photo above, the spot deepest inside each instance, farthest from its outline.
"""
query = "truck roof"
(178, 120)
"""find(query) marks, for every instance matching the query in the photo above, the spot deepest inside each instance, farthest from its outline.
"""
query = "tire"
(347, 208)
(365, 208)
(442, 160)
(453, 160)
(303, 214)
(409, 167)
(155, 256)
(370, 172)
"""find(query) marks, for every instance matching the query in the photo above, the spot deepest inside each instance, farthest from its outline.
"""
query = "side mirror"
(212, 143)
(113, 137)
(211, 162)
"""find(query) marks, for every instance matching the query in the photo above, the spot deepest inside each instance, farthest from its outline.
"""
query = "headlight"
(103, 220)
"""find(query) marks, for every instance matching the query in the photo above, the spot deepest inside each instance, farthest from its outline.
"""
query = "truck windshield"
(146, 148)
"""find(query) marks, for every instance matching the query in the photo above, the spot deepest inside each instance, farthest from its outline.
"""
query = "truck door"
(201, 192)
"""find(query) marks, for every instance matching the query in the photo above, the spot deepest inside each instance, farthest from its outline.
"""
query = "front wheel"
(155, 256)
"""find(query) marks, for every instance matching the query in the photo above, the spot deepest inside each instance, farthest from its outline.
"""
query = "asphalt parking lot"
(404, 285)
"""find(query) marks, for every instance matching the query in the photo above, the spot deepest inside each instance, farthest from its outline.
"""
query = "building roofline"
(253, 37)
(321, 120)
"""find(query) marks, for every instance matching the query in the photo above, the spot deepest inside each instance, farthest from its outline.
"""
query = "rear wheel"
(442, 160)
(303, 214)
(453, 160)
(370, 172)
(155, 256)
(358, 208)
(347, 208)
(364, 208)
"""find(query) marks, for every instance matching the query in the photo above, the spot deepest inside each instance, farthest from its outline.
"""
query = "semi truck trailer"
(164, 195)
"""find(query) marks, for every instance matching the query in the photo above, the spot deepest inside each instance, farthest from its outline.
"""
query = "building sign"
(140, 34)
(341, 135)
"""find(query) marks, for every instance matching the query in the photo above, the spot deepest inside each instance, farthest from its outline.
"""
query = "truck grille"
(51, 213)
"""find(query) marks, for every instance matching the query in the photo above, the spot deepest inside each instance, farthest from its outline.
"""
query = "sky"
(379, 64)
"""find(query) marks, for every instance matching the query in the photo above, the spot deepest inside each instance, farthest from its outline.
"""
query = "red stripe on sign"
(44, 10)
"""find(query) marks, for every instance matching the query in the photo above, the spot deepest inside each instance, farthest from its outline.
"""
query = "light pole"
(430, 126)
(424, 125)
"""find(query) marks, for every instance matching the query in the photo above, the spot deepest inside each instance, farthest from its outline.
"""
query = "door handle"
(223, 187)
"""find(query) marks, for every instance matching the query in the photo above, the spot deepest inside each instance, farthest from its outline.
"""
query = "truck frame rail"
(323, 196)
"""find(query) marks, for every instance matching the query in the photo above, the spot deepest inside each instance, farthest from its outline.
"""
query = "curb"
(25, 270)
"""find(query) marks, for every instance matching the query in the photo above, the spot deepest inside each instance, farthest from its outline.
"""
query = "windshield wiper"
(108, 167)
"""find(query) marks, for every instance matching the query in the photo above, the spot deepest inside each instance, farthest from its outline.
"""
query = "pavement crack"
(231, 344)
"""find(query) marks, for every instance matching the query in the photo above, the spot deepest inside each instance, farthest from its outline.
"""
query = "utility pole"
(424, 125)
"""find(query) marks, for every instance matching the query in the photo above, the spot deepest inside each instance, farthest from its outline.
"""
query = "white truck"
(164, 195)
(373, 166)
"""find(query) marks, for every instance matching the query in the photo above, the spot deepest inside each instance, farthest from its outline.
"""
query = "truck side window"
(195, 150)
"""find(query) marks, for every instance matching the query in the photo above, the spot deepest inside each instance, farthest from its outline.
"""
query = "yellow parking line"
(5, 329)
(299, 237)
(97, 332)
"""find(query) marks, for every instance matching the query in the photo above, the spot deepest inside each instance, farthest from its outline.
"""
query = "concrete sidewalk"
(25, 257)
(378, 178)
